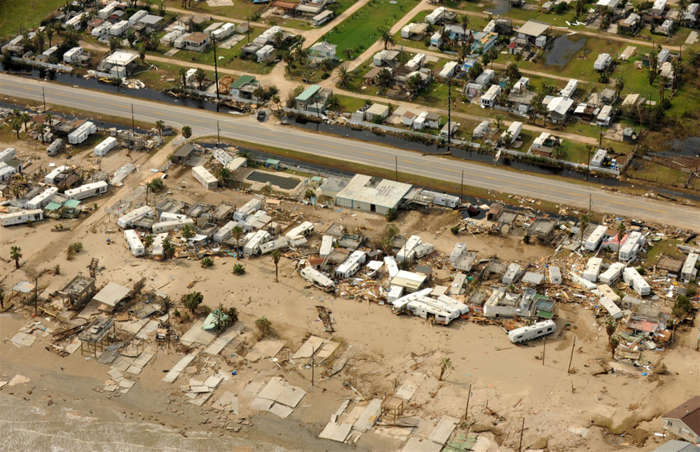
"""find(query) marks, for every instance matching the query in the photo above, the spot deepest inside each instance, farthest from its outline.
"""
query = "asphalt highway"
(203, 122)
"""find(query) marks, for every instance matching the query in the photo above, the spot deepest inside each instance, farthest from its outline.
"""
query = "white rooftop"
(372, 190)
(121, 58)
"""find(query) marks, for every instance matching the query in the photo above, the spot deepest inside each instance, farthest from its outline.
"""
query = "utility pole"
(396, 168)
(218, 133)
(522, 429)
(43, 97)
(313, 365)
(216, 73)
(466, 410)
(36, 294)
(571, 357)
(544, 344)
(133, 124)
(590, 204)
(461, 188)
(449, 114)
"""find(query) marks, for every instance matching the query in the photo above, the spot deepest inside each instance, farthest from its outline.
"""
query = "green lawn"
(580, 66)
(363, 28)
(247, 10)
(475, 23)
(26, 14)
(227, 58)
(653, 172)
(349, 104)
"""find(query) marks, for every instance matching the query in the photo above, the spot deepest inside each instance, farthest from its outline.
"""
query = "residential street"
(485, 176)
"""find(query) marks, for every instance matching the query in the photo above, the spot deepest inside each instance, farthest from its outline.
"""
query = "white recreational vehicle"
(134, 241)
(104, 146)
(528, 333)
(87, 190)
(21, 217)
(272, 245)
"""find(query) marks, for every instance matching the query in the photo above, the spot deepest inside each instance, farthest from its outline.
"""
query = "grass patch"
(662, 248)
(654, 172)
(349, 104)
(363, 28)
(24, 15)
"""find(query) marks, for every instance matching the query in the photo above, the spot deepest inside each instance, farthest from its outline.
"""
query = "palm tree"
(614, 342)
(583, 224)
(200, 76)
(276, 255)
(387, 38)
(621, 229)
(16, 124)
(445, 364)
(610, 327)
(16, 254)
(142, 53)
(464, 22)
(160, 125)
(183, 77)
(49, 33)
(24, 116)
(343, 76)
(237, 233)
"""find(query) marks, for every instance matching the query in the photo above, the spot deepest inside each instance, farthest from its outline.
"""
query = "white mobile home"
(391, 266)
(631, 246)
(528, 333)
(632, 277)
(513, 132)
(490, 98)
(157, 247)
(593, 240)
(612, 274)
(55, 173)
(223, 32)
(42, 199)
(119, 28)
(169, 216)
(351, 265)
(317, 278)
(247, 209)
(105, 146)
(171, 225)
(409, 281)
(135, 215)
(107, 10)
(87, 190)
(593, 269)
(407, 253)
(8, 154)
(21, 217)
(277, 244)
(134, 242)
(225, 231)
(82, 133)
(512, 273)
(442, 310)
(302, 230)
(611, 307)
(6, 171)
(326, 245)
(204, 177)
(689, 270)
(252, 246)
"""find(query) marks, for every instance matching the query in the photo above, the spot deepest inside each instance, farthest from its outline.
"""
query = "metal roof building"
(372, 194)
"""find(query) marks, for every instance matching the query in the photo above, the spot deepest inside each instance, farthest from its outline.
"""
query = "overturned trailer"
(317, 278)
(530, 332)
